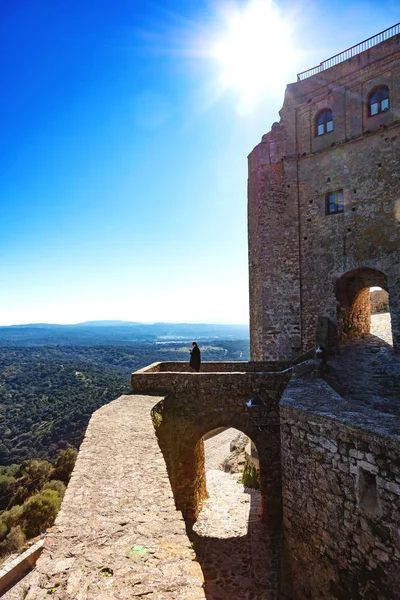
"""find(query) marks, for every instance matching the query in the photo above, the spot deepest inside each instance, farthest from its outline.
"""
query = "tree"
(5, 490)
(64, 465)
(13, 542)
(56, 485)
(39, 512)
(21, 494)
(35, 474)
(12, 516)
(3, 530)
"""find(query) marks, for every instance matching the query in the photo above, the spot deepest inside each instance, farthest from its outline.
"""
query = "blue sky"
(123, 160)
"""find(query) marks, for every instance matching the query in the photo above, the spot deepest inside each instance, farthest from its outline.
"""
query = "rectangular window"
(334, 202)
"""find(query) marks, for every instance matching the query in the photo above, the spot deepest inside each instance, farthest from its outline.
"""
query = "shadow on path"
(367, 371)
(243, 567)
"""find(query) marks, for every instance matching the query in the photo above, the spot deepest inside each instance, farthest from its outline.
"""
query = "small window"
(367, 492)
(324, 122)
(378, 101)
(334, 202)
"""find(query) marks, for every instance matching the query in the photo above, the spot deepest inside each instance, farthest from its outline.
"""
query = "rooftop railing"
(350, 52)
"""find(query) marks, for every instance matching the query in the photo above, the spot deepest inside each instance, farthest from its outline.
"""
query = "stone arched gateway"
(353, 297)
(181, 441)
(196, 403)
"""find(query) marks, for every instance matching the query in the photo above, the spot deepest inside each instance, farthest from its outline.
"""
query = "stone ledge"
(118, 534)
(13, 570)
(316, 397)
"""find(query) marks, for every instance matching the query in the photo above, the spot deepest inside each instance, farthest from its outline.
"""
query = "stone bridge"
(196, 403)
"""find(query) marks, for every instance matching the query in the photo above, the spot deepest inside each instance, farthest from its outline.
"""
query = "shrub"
(56, 485)
(12, 516)
(6, 482)
(250, 477)
(13, 542)
(39, 512)
(64, 465)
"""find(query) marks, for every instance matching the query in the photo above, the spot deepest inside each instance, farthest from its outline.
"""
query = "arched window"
(324, 122)
(378, 101)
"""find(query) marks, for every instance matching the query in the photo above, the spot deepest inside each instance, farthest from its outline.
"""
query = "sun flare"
(254, 52)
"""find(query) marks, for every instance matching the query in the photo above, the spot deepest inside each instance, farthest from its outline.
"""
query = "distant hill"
(105, 323)
(94, 333)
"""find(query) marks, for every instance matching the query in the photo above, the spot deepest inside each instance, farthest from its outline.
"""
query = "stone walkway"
(229, 539)
(118, 534)
(381, 327)
(367, 371)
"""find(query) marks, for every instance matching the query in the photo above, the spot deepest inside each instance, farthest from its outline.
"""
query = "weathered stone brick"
(303, 262)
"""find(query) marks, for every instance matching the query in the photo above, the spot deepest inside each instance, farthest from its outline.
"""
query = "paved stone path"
(367, 371)
(118, 534)
(229, 539)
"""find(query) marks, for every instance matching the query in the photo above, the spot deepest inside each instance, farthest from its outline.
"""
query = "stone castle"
(324, 213)
(324, 205)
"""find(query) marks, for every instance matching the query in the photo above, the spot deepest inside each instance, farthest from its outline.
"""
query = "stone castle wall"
(301, 259)
(274, 269)
(341, 498)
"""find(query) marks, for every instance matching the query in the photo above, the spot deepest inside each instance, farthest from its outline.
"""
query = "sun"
(254, 52)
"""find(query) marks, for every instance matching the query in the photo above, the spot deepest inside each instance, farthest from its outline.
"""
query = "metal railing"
(350, 52)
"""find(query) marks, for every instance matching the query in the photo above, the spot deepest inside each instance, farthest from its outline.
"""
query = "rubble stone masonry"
(341, 497)
(303, 262)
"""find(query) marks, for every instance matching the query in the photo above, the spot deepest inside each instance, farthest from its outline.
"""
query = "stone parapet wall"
(118, 534)
(216, 383)
(341, 497)
(217, 367)
(348, 68)
(13, 570)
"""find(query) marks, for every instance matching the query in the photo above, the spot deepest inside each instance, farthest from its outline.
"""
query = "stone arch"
(353, 298)
(181, 441)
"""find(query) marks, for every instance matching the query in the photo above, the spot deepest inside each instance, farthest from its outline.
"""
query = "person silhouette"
(195, 357)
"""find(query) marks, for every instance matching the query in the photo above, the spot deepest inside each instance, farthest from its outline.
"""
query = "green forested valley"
(48, 393)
